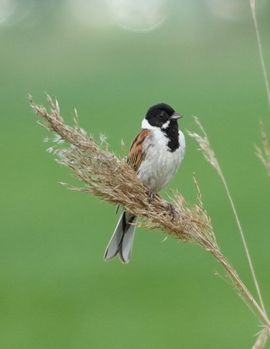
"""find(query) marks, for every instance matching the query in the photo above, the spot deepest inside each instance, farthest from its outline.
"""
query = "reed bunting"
(155, 155)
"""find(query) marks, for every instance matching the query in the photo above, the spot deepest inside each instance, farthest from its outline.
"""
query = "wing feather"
(136, 153)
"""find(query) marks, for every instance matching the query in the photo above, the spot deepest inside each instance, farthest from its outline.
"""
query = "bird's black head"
(160, 115)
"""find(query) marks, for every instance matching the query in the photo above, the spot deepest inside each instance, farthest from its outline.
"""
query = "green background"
(55, 289)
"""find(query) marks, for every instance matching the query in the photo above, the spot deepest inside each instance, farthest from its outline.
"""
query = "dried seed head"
(204, 145)
(111, 179)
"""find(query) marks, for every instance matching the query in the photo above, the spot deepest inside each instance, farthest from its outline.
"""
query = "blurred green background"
(112, 60)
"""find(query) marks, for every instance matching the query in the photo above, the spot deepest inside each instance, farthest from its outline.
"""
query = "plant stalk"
(241, 288)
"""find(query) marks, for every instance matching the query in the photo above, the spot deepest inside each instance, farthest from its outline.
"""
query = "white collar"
(147, 126)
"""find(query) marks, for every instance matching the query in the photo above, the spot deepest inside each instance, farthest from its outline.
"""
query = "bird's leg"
(152, 196)
(173, 211)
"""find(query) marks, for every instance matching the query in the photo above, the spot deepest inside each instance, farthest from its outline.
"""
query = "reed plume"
(104, 175)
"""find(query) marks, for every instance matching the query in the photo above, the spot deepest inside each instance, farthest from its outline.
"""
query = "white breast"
(160, 164)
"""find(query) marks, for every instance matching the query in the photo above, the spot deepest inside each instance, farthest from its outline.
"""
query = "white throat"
(166, 125)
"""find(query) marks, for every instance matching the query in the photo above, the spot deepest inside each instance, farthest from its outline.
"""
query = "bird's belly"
(158, 168)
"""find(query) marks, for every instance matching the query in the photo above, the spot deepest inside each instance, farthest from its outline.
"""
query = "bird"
(155, 156)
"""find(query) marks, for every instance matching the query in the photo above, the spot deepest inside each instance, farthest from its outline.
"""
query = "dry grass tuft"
(111, 179)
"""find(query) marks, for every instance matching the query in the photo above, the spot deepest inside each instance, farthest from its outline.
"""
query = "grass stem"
(260, 49)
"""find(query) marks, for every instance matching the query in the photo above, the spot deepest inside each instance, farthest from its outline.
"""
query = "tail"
(122, 238)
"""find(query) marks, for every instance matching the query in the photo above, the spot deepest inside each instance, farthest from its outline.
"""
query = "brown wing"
(136, 154)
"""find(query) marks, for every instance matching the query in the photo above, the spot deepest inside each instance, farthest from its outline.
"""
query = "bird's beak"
(176, 116)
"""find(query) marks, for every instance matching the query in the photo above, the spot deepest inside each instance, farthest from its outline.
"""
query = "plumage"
(155, 155)
(122, 238)
(136, 152)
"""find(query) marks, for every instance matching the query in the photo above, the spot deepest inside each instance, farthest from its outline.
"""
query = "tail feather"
(122, 238)
(125, 250)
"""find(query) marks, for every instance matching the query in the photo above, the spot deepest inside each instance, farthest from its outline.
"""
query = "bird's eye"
(162, 115)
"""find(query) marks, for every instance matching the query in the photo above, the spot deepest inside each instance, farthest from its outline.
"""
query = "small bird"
(155, 155)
